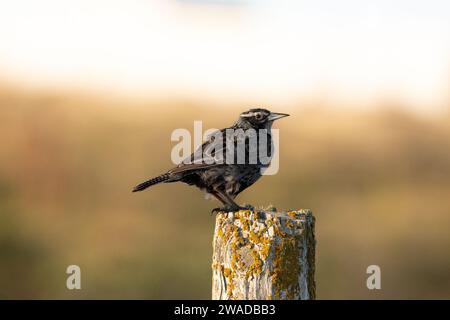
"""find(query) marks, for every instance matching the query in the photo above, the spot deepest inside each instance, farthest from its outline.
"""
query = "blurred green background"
(377, 181)
(91, 90)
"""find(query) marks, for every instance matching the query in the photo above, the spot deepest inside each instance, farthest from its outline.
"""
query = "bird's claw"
(223, 209)
(216, 210)
(231, 209)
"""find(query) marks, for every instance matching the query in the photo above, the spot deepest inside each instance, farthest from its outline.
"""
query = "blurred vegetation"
(377, 181)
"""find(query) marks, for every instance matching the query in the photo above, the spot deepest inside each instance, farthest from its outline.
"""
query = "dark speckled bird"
(231, 159)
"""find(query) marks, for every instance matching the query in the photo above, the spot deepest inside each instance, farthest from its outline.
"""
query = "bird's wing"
(190, 167)
(215, 152)
(201, 158)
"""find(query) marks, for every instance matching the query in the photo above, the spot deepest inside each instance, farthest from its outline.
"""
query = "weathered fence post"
(259, 254)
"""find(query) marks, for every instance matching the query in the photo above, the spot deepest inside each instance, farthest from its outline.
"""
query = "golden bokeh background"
(367, 146)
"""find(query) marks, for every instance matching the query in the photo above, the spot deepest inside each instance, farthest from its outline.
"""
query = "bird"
(224, 177)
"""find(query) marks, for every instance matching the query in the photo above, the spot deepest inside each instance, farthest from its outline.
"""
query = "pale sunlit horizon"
(274, 51)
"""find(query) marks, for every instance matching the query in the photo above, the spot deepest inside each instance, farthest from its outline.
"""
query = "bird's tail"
(151, 182)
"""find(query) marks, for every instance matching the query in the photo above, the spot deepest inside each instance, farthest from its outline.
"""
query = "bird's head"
(259, 118)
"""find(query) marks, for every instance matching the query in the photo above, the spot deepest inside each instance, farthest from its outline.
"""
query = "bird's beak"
(275, 116)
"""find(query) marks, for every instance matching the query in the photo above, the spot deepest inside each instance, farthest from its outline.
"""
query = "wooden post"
(264, 254)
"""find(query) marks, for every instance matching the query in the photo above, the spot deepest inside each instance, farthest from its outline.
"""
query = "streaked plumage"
(223, 180)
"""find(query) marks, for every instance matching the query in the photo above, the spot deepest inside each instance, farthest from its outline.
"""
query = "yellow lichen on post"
(260, 254)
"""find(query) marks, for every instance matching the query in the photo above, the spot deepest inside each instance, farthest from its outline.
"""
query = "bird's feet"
(231, 209)
(248, 207)
(216, 210)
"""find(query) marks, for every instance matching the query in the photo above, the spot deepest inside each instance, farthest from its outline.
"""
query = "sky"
(267, 50)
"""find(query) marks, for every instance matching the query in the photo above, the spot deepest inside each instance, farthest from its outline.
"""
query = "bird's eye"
(258, 116)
